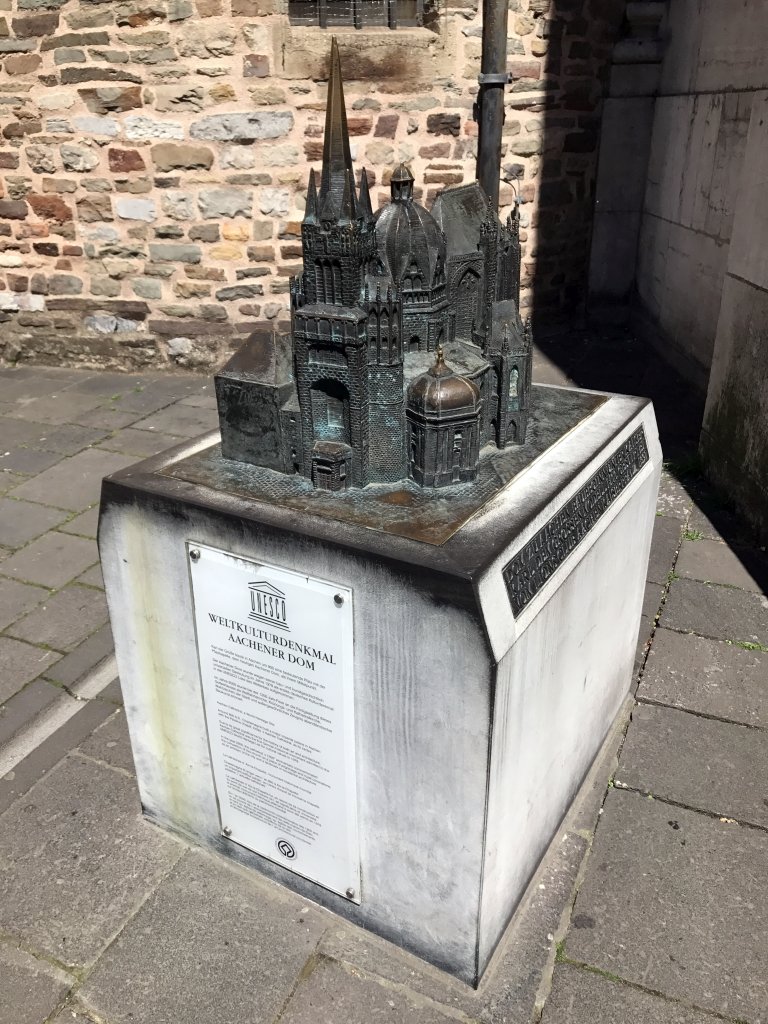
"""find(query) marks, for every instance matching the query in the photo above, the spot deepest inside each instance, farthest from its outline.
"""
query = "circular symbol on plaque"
(286, 849)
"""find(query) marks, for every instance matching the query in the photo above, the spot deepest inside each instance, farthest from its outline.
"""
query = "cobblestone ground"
(651, 905)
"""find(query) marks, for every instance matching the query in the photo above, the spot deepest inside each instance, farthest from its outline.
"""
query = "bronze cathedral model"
(408, 354)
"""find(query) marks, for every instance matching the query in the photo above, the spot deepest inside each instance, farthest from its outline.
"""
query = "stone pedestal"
(495, 627)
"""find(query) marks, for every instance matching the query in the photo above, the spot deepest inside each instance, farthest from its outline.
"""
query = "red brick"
(443, 124)
(525, 69)
(18, 129)
(438, 150)
(50, 207)
(386, 126)
(359, 125)
(125, 160)
(443, 177)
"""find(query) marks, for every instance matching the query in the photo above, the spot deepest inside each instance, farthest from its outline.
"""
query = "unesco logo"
(268, 604)
(287, 849)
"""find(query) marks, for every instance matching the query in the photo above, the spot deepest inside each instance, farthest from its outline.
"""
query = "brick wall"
(155, 155)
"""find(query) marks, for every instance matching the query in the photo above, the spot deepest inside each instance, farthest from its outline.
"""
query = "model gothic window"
(330, 411)
(513, 379)
(359, 13)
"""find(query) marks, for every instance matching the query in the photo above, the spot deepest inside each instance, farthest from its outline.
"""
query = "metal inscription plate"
(275, 652)
(537, 561)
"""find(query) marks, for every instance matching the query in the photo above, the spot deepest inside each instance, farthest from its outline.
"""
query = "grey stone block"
(108, 417)
(22, 521)
(77, 859)
(19, 664)
(666, 540)
(84, 525)
(24, 706)
(16, 599)
(82, 659)
(9, 480)
(180, 420)
(332, 993)
(68, 439)
(723, 613)
(75, 483)
(92, 577)
(104, 383)
(52, 560)
(74, 1013)
(580, 996)
(235, 958)
(58, 407)
(205, 399)
(34, 766)
(511, 986)
(716, 522)
(707, 676)
(677, 902)
(714, 766)
(674, 500)
(148, 398)
(141, 443)
(242, 127)
(16, 432)
(110, 743)
(652, 600)
(31, 989)
(28, 461)
(717, 562)
(64, 620)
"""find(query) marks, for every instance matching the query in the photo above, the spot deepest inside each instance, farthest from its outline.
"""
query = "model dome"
(440, 391)
(410, 244)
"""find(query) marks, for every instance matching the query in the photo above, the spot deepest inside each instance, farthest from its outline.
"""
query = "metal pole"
(490, 100)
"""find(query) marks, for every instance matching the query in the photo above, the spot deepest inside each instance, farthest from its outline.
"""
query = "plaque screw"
(194, 554)
(350, 893)
(226, 831)
(338, 600)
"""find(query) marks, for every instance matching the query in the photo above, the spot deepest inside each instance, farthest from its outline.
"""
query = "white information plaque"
(275, 651)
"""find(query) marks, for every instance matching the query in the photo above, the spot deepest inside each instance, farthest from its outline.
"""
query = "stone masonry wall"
(155, 155)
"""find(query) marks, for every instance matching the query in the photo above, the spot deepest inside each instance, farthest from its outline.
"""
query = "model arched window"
(458, 445)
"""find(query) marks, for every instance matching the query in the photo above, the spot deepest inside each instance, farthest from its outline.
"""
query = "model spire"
(364, 201)
(348, 209)
(310, 215)
(337, 159)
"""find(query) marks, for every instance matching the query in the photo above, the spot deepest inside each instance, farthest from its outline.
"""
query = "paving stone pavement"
(651, 905)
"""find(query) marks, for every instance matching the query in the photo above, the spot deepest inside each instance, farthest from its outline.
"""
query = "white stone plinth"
(479, 706)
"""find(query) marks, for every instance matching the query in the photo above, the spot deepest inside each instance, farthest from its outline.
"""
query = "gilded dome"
(440, 391)
(410, 243)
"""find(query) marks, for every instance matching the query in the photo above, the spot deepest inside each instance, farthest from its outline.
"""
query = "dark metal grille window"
(359, 13)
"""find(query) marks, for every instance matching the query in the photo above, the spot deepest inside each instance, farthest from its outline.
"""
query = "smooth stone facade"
(475, 727)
